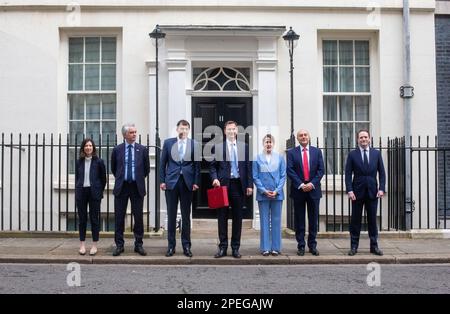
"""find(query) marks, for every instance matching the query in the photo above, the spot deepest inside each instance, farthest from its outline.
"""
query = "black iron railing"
(37, 184)
(428, 184)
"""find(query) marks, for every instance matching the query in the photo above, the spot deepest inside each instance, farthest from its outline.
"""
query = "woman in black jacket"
(90, 178)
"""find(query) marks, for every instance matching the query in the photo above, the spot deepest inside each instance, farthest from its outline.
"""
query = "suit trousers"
(83, 201)
(355, 226)
(236, 199)
(270, 222)
(182, 194)
(300, 205)
(129, 192)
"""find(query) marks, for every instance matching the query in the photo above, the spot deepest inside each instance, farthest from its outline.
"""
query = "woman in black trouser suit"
(90, 181)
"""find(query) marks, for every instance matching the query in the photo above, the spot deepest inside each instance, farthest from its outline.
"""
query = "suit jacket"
(220, 167)
(295, 171)
(269, 176)
(142, 167)
(97, 177)
(171, 166)
(364, 182)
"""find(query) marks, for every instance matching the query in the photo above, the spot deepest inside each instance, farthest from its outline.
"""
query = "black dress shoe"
(118, 250)
(352, 252)
(376, 251)
(187, 252)
(170, 252)
(314, 252)
(236, 254)
(140, 250)
(301, 251)
(221, 253)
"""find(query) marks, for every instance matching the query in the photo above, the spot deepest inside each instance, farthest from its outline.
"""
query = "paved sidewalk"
(333, 250)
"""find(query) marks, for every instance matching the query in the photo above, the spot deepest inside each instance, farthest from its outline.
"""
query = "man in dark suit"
(305, 169)
(130, 166)
(180, 175)
(364, 163)
(231, 167)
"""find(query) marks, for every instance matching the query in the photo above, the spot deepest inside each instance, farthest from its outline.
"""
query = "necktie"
(305, 164)
(181, 150)
(130, 164)
(366, 161)
(234, 161)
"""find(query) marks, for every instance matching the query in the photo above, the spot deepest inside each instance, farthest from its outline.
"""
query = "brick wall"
(442, 29)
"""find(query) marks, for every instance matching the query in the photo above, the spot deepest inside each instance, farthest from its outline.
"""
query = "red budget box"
(218, 197)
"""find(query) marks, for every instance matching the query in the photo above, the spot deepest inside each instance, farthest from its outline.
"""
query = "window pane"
(330, 80)
(330, 52)
(92, 49)
(347, 134)
(108, 128)
(93, 131)
(108, 77)
(362, 108)
(76, 107)
(361, 52)
(362, 126)
(109, 106)
(75, 77)
(75, 50)
(92, 107)
(362, 82)
(330, 131)
(345, 108)
(345, 52)
(108, 49)
(92, 77)
(76, 129)
(330, 108)
(346, 79)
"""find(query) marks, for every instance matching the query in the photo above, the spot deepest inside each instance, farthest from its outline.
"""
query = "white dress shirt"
(87, 169)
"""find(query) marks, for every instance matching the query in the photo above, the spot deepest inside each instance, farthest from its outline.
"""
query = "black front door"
(216, 111)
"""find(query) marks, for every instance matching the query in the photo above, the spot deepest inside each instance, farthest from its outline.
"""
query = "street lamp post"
(157, 35)
(291, 40)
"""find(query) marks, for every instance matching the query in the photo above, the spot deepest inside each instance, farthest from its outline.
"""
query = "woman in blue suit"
(269, 176)
(90, 181)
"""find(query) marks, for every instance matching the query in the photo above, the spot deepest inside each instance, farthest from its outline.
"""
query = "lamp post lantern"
(157, 35)
(291, 41)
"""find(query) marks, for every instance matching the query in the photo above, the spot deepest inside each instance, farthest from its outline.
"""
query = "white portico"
(188, 51)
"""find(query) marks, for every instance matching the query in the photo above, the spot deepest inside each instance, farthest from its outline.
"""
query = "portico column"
(151, 66)
(266, 108)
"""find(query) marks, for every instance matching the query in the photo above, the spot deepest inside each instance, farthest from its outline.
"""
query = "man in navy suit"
(231, 167)
(364, 163)
(180, 175)
(305, 169)
(130, 166)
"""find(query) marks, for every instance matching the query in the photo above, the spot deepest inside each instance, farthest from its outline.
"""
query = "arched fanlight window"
(221, 79)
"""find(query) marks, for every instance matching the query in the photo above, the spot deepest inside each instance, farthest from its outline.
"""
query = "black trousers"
(83, 200)
(236, 199)
(300, 205)
(355, 226)
(129, 192)
(182, 194)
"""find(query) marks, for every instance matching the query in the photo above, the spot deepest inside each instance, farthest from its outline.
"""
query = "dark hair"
(269, 136)
(183, 122)
(83, 144)
(229, 122)
(362, 130)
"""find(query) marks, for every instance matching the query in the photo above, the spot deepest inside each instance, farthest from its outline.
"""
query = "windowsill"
(71, 183)
(328, 183)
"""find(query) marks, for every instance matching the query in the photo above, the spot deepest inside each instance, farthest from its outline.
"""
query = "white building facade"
(87, 67)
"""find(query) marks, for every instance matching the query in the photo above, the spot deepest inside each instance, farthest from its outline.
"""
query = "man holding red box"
(231, 167)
